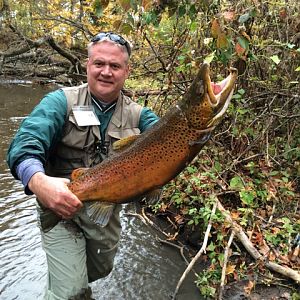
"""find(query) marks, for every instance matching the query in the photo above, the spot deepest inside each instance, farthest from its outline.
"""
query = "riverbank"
(254, 282)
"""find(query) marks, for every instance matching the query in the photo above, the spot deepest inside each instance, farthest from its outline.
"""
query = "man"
(71, 128)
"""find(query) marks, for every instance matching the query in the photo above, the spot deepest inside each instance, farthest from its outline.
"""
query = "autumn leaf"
(286, 259)
(125, 4)
(239, 49)
(245, 35)
(249, 287)
(235, 215)
(275, 230)
(272, 256)
(117, 24)
(244, 43)
(163, 207)
(283, 13)
(264, 249)
(235, 276)
(230, 269)
(104, 3)
(229, 15)
(257, 238)
(271, 189)
(262, 212)
(179, 219)
(215, 28)
(147, 4)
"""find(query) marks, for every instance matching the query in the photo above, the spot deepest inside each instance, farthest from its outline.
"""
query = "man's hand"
(54, 194)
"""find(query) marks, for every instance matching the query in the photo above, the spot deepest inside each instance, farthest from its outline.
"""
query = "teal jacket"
(43, 128)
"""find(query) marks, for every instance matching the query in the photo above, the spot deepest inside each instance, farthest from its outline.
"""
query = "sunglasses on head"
(113, 37)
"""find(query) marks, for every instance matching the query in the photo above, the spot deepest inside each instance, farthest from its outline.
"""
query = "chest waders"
(82, 250)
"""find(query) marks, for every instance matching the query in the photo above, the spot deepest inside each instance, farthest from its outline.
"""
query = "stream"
(144, 268)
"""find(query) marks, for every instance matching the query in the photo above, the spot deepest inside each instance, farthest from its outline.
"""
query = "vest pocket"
(79, 137)
(75, 150)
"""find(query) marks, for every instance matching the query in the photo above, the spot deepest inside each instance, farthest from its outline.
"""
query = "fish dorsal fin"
(124, 142)
(78, 172)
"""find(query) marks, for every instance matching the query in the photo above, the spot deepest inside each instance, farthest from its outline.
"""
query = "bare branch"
(72, 58)
(198, 255)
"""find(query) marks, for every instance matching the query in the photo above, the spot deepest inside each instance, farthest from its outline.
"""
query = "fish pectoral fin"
(78, 172)
(153, 197)
(99, 212)
(202, 140)
(125, 142)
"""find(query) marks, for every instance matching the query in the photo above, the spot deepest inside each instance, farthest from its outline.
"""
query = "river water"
(144, 268)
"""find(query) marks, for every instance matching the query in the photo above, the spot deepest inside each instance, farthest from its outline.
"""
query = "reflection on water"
(144, 269)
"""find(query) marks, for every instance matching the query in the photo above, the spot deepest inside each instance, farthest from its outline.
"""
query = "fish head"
(205, 103)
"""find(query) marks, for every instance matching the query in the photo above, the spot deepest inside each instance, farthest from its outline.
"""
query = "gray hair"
(122, 47)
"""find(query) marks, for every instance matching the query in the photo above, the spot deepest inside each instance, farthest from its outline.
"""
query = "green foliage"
(204, 282)
(296, 296)
(282, 235)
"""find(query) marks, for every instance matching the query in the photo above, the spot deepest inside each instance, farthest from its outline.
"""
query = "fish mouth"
(220, 100)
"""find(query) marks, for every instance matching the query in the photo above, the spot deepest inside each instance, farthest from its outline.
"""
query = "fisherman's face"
(107, 70)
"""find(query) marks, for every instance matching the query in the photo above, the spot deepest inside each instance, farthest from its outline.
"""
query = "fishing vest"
(79, 146)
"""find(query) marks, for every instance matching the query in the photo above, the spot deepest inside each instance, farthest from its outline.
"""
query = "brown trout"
(163, 151)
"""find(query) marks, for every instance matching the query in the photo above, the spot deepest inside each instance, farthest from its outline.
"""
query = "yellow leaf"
(222, 42)
(230, 269)
(235, 215)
